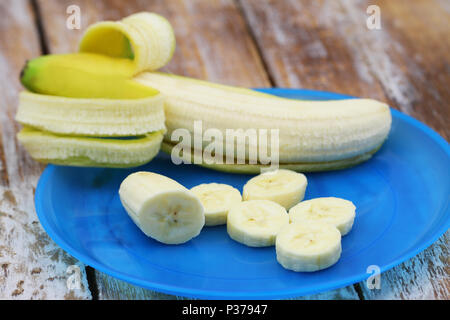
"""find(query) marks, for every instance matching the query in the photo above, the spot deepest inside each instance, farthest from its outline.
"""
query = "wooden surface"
(322, 45)
(31, 265)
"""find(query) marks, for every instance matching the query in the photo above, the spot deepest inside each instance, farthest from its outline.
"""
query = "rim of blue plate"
(197, 293)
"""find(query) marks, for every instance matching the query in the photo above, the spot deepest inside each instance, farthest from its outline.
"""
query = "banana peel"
(79, 151)
(146, 38)
(91, 117)
(74, 101)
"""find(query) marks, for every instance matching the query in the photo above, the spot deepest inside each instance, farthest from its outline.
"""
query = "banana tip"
(22, 72)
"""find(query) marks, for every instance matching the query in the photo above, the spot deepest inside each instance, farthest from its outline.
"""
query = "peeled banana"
(217, 199)
(308, 246)
(335, 211)
(256, 223)
(282, 186)
(312, 135)
(317, 134)
(161, 207)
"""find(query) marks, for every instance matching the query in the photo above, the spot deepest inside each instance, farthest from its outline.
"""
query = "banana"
(256, 223)
(315, 133)
(91, 152)
(161, 207)
(308, 246)
(335, 211)
(282, 186)
(217, 199)
(146, 38)
(91, 117)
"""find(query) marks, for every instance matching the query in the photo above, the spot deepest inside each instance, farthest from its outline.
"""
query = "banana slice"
(256, 223)
(338, 212)
(161, 207)
(284, 187)
(308, 246)
(217, 199)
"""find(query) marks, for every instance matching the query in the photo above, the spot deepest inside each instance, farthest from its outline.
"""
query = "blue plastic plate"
(401, 195)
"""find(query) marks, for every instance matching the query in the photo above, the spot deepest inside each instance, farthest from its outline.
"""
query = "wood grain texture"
(424, 277)
(219, 49)
(326, 45)
(31, 265)
(203, 45)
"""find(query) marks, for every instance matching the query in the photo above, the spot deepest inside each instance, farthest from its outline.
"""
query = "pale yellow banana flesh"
(161, 207)
(47, 147)
(217, 199)
(335, 211)
(307, 247)
(310, 132)
(285, 187)
(256, 223)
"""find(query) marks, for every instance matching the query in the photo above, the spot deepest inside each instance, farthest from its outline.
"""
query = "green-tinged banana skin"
(146, 38)
(91, 117)
(334, 133)
(90, 152)
(83, 75)
(258, 168)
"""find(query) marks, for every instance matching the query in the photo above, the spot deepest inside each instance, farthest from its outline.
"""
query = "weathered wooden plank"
(426, 277)
(219, 49)
(32, 266)
(203, 44)
(326, 45)
(110, 288)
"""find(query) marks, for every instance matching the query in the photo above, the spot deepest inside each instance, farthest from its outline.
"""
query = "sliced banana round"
(308, 246)
(217, 199)
(338, 212)
(161, 207)
(256, 223)
(282, 186)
